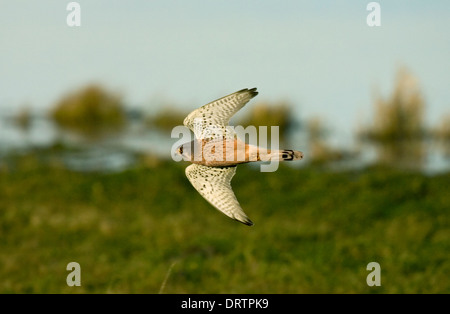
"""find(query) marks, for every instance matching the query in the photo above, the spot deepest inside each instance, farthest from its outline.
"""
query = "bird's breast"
(224, 152)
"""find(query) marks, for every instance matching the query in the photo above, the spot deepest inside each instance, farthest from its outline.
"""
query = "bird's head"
(185, 151)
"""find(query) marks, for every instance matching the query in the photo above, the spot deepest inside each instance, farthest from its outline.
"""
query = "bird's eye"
(181, 149)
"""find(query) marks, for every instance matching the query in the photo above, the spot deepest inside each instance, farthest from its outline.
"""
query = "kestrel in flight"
(216, 151)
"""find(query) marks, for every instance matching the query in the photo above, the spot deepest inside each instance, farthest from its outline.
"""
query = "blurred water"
(120, 151)
(112, 153)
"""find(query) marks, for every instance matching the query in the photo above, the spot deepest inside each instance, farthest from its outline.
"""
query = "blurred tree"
(265, 114)
(167, 118)
(23, 119)
(320, 152)
(442, 135)
(91, 110)
(398, 131)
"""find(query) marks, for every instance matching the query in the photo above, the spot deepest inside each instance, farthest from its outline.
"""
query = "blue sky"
(319, 55)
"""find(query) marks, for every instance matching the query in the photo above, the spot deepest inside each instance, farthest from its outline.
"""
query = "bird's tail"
(282, 155)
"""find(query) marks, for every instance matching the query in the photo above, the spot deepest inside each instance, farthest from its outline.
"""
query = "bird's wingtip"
(253, 91)
(246, 221)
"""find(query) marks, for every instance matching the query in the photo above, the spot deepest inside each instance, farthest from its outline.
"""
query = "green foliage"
(314, 232)
(398, 130)
(91, 110)
(442, 135)
(23, 119)
(319, 151)
(166, 119)
(401, 116)
(266, 114)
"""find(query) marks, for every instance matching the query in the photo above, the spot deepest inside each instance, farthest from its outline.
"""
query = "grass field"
(315, 231)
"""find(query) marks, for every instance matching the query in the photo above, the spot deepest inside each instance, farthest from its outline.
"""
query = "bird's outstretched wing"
(214, 184)
(210, 121)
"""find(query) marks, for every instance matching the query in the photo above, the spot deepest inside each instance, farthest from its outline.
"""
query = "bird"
(216, 151)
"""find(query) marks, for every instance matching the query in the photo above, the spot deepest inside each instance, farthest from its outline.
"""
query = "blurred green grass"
(315, 231)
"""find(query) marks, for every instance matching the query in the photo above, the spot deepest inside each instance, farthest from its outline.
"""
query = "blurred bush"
(266, 114)
(442, 135)
(167, 118)
(320, 152)
(90, 110)
(398, 129)
(23, 119)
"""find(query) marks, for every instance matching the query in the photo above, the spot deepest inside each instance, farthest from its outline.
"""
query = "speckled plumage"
(211, 120)
(209, 123)
(213, 164)
(214, 184)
